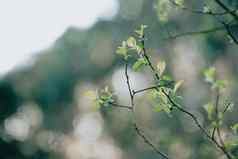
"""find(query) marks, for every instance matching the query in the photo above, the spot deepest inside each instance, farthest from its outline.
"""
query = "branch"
(148, 58)
(194, 118)
(227, 9)
(226, 108)
(199, 125)
(150, 88)
(229, 32)
(227, 28)
(120, 106)
(141, 133)
(129, 87)
(196, 33)
(198, 11)
(132, 108)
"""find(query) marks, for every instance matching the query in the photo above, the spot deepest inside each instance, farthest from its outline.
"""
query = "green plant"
(165, 97)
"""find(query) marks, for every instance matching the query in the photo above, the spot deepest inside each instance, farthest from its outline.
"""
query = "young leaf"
(177, 85)
(229, 145)
(153, 94)
(161, 67)
(220, 84)
(210, 74)
(163, 107)
(209, 109)
(206, 9)
(235, 127)
(167, 83)
(140, 32)
(139, 63)
(131, 42)
(122, 50)
(179, 2)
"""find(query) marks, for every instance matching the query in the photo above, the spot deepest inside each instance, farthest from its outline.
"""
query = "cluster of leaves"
(165, 86)
(164, 94)
(211, 77)
(101, 98)
(165, 83)
(214, 111)
(165, 7)
(133, 45)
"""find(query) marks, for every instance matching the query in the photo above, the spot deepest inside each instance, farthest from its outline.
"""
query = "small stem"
(222, 5)
(199, 11)
(129, 87)
(150, 88)
(195, 33)
(148, 58)
(226, 108)
(120, 106)
(141, 133)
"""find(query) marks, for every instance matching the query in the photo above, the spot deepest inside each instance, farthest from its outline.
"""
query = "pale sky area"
(29, 26)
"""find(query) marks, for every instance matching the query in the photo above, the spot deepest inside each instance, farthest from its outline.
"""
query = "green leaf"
(131, 42)
(206, 9)
(210, 74)
(163, 107)
(220, 84)
(209, 109)
(179, 2)
(163, 9)
(153, 94)
(122, 50)
(139, 63)
(229, 145)
(177, 85)
(140, 32)
(161, 65)
(235, 127)
(167, 83)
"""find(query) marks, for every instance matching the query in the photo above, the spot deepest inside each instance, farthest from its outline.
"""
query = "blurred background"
(53, 51)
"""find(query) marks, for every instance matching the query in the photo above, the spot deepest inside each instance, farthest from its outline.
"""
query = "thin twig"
(194, 118)
(226, 108)
(129, 87)
(222, 144)
(227, 9)
(229, 32)
(150, 88)
(198, 11)
(137, 129)
(227, 28)
(120, 106)
(213, 133)
(141, 133)
(144, 54)
(199, 125)
(196, 33)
